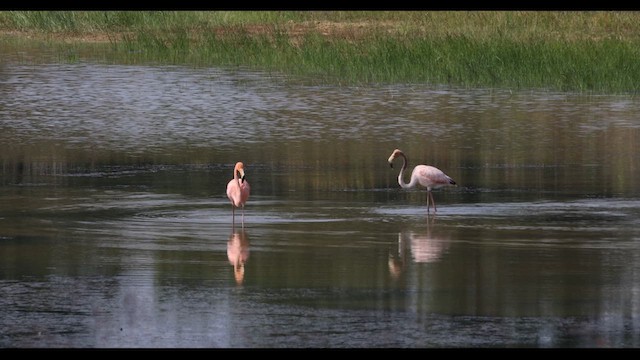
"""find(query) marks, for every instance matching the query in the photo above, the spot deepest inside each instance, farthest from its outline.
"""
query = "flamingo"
(238, 191)
(427, 176)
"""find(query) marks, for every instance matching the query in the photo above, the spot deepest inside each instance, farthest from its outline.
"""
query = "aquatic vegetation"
(568, 51)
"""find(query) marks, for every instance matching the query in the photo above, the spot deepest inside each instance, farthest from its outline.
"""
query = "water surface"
(115, 230)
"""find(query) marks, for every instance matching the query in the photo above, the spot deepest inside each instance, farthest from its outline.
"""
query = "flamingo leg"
(433, 202)
(233, 215)
(428, 192)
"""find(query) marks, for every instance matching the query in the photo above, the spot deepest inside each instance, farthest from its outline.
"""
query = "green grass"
(567, 51)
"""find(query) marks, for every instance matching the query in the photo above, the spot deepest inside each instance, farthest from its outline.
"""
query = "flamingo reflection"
(238, 253)
(424, 246)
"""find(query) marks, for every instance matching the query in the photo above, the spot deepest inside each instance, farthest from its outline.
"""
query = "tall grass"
(572, 51)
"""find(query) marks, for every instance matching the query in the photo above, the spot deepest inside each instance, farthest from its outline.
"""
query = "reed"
(567, 51)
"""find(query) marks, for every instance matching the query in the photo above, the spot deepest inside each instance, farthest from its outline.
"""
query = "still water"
(115, 230)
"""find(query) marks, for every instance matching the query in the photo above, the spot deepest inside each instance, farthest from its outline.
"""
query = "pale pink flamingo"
(238, 191)
(427, 176)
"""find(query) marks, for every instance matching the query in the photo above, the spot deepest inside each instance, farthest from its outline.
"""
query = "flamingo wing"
(234, 193)
(245, 190)
(432, 177)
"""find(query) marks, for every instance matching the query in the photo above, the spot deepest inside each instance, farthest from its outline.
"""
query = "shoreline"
(586, 52)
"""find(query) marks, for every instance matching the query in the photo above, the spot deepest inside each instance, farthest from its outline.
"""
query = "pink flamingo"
(427, 176)
(238, 191)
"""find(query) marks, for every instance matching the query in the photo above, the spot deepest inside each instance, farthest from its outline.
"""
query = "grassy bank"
(570, 51)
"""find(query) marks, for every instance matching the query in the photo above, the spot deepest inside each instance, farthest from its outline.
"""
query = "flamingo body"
(427, 176)
(238, 190)
(431, 177)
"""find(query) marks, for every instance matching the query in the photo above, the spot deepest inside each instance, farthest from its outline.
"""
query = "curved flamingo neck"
(413, 181)
(236, 178)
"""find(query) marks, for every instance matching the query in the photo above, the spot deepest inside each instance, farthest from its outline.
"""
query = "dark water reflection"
(238, 253)
(115, 230)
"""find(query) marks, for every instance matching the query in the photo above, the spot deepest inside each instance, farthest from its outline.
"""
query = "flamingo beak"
(242, 176)
(391, 165)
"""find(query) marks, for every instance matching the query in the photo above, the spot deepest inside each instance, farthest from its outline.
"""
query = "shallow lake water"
(115, 230)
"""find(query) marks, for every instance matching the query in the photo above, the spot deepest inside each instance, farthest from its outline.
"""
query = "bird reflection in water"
(238, 253)
(424, 246)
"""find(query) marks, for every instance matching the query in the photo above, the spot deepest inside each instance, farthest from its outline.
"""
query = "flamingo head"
(240, 169)
(394, 154)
